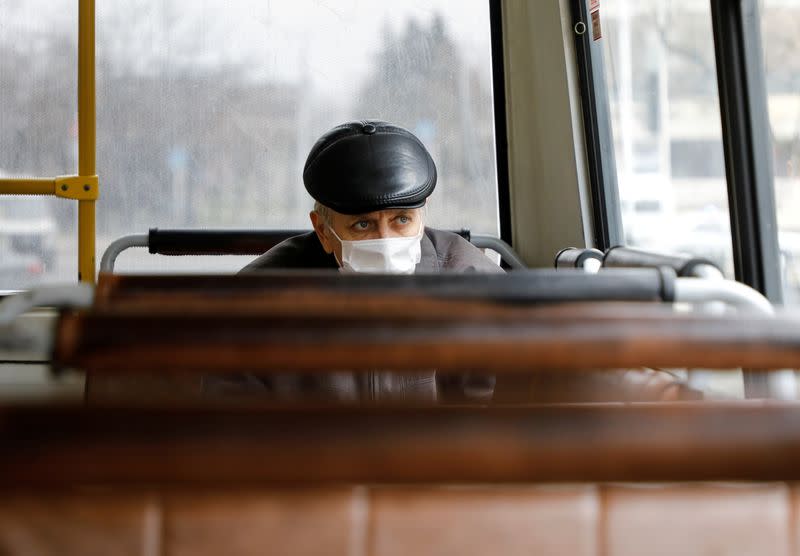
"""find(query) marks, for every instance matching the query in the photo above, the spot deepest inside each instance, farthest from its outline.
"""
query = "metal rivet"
(64, 187)
(87, 187)
(580, 28)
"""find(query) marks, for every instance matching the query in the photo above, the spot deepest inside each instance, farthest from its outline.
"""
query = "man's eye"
(403, 219)
(361, 225)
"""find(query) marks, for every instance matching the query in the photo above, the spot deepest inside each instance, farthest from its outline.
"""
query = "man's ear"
(322, 234)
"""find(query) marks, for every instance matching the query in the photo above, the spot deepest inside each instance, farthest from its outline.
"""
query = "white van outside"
(28, 227)
(647, 204)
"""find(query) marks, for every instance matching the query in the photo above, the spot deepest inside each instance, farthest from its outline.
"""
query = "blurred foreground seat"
(612, 520)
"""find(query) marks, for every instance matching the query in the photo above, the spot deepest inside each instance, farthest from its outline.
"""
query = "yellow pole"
(86, 137)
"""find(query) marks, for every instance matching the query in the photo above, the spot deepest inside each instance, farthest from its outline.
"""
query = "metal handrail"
(502, 248)
(506, 252)
(74, 296)
(118, 246)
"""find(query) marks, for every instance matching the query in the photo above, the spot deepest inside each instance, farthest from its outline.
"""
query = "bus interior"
(628, 384)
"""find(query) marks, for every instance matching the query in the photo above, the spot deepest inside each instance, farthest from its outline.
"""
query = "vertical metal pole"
(748, 148)
(86, 137)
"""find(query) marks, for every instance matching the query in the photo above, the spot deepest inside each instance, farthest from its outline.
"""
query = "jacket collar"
(429, 261)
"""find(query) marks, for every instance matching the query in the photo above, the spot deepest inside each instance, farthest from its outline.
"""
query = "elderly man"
(370, 181)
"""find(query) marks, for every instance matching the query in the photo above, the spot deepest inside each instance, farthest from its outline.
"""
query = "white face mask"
(391, 255)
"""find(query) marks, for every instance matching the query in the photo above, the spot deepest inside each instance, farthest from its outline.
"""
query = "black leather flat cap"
(360, 167)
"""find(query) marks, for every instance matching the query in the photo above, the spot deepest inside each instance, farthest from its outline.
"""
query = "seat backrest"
(584, 520)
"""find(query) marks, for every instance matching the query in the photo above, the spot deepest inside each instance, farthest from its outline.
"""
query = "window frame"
(600, 156)
(500, 127)
(747, 145)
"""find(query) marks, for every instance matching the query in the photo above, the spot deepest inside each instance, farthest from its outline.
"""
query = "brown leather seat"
(632, 385)
(590, 520)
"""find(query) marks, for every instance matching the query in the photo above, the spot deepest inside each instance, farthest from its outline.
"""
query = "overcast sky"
(327, 42)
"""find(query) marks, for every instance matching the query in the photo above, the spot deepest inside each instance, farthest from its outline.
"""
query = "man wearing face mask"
(370, 181)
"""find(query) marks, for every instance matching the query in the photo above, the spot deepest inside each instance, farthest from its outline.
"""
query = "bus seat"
(277, 296)
(780, 384)
(183, 242)
(623, 385)
(592, 260)
(582, 520)
(546, 480)
(684, 266)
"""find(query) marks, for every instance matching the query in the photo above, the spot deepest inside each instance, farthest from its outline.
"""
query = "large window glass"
(662, 87)
(38, 138)
(206, 111)
(781, 44)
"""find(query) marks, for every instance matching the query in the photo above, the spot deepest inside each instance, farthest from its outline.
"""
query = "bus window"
(38, 137)
(782, 65)
(662, 88)
(28, 239)
(206, 111)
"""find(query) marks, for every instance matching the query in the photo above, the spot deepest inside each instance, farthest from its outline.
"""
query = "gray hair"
(323, 211)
